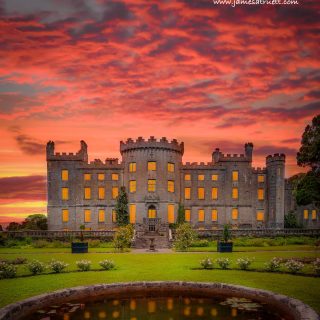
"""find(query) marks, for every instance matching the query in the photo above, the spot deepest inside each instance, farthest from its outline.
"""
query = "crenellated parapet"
(259, 170)
(110, 163)
(277, 157)
(198, 165)
(81, 155)
(218, 156)
(152, 143)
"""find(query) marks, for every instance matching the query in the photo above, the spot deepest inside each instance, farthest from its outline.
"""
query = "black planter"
(224, 246)
(79, 247)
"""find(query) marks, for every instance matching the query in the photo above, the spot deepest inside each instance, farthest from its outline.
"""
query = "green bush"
(57, 266)
(273, 265)
(40, 244)
(94, 243)
(316, 266)
(244, 263)
(7, 270)
(224, 263)
(185, 236)
(36, 267)
(294, 266)
(83, 265)
(206, 263)
(200, 243)
(123, 238)
(107, 264)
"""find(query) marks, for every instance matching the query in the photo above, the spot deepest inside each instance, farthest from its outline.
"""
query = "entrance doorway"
(152, 212)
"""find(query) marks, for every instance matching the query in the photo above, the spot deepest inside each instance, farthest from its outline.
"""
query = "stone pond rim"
(295, 308)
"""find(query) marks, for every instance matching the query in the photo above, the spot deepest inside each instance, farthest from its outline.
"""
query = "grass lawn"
(158, 266)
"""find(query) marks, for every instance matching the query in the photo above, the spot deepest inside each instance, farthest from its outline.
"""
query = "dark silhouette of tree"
(122, 212)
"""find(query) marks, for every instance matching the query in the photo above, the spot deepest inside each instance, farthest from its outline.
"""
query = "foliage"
(180, 215)
(244, 263)
(224, 263)
(1, 229)
(82, 227)
(273, 265)
(206, 263)
(107, 264)
(36, 267)
(123, 237)
(40, 243)
(290, 221)
(316, 266)
(18, 260)
(83, 265)
(13, 226)
(200, 243)
(57, 266)
(307, 189)
(122, 211)
(7, 270)
(226, 235)
(185, 236)
(35, 222)
(294, 266)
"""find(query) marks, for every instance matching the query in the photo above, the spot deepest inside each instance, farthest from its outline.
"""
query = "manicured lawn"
(158, 266)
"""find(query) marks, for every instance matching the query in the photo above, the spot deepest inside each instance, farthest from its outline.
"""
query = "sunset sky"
(102, 71)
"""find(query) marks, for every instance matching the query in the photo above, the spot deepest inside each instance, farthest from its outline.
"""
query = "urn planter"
(224, 246)
(79, 247)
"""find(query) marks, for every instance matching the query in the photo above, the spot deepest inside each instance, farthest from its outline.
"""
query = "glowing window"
(170, 213)
(214, 215)
(235, 175)
(101, 193)
(152, 166)
(306, 214)
(235, 193)
(152, 213)
(200, 177)
(87, 215)
(87, 176)
(170, 186)
(260, 194)
(201, 215)
(214, 193)
(260, 178)
(151, 185)
(235, 214)
(314, 214)
(87, 193)
(260, 216)
(214, 177)
(170, 167)
(65, 215)
(187, 215)
(64, 175)
(65, 193)
(187, 177)
(187, 193)
(115, 192)
(100, 176)
(114, 216)
(201, 193)
(132, 213)
(101, 215)
(132, 167)
(115, 176)
(132, 186)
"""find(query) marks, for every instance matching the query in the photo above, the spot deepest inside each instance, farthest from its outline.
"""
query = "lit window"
(260, 178)
(187, 215)
(314, 214)
(152, 213)
(101, 216)
(235, 193)
(235, 214)
(65, 215)
(201, 215)
(132, 167)
(200, 177)
(214, 193)
(170, 186)
(170, 213)
(260, 216)
(115, 176)
(260, 194)
(65, 193)
(132, 186)
(114, 216)
(235, 175)
(87, 176)
(187, 193)
(187, 177)
(87, 193)
(151, 185)
(214, 215)
(306, 214)
(170, 167)
(214, 177)
(64, 175)
(100, 176)
(132, 213)
(115, 192)
(101, 193)
(201, 193)
(152, 166)
(87, 215)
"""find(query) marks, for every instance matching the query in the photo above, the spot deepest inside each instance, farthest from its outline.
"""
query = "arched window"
(152, 212)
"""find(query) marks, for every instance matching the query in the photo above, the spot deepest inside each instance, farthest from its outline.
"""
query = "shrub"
(94, 243)
(123, 237)
(316, 266)
(107, 264)
(57, 266)
(18, 261)
(36, 267)
(7, 270)
(40, 244)
(200, 243)
(83, 265)
(206, 263)
(244, 263)
(185, 236)
(224, 263)
(294, 266)
(273, 265)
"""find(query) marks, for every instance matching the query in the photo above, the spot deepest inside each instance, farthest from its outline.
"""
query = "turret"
(216, 155)
(248, 149)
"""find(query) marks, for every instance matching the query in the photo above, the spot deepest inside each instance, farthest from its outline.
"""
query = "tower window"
(152, 166)
(87, 193)
(260, 194)
(65, 193)
(65, 215)
(214, 193)
(100, 176)
(101, 215)
(170, 167)
(260, 216)
(201, 215)
(170, 186)
(314, 214)
(64, 175)
(235, 176)
(235, 193)
(305, 214)
(187, 215)
(260, 178)
(187, 177)
(200, 177)
(235, 214)
(132, 167)
(115, 176)
(101, 193)
(115, 192)
(187, 193)
(87, 176)
(87, 215)
(132, 186)
(214, 215)
(201, 193)
(214, 177)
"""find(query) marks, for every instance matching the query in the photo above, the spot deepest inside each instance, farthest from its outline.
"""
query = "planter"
(224, 246)
(79, 247)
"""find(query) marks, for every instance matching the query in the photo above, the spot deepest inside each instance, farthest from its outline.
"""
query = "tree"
(123, 237)
(122, 214)
(13, 226)
(185, 235)
(35, 222)
(181, 214)
(307, 189)
(290, 221)
(1, 229)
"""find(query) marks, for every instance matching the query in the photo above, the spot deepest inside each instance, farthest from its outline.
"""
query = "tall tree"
(35, 222)
(122, 212)
(13, 226)
(181, 215)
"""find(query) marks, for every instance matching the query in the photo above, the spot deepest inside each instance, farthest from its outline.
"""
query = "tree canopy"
(122, 212)
(32, 222)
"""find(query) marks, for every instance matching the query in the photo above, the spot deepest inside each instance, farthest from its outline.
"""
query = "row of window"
(215, 177)
(88, 194)
(152, 166)
(306, 214)
(88, 176)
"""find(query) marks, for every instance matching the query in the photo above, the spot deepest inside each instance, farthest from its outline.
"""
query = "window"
(305, 214)
(65, 193)
(260, 216)
(170, 167)
(170, 186)
(100, 176)
(260, 194)
(115, 176)
(64, 175)
(65, 215)
(87, 176)
(214, 215)
(152, 213)
(187, 193)
(201, 193)
(152, 166)
(214, 193)
(115, 192)
(132, 186)
(235, 175)
(101, 193)
(170, 213)
(187, 215)
(260, 178)
(101, 215)
(132, 167)
(235, 193)
(314, 214)
(114, 216)
(87, 215)
(87, 193)
(200, 177)
(132, 213)
(201, 215)
(214, 177)
(151, 185)
(187, 177)
(234, 214)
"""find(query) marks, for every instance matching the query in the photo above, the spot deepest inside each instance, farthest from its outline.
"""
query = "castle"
(226, 190)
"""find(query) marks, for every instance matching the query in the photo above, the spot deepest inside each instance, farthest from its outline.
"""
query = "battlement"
(218, 156)
(141, 143)
(110, 163)
(276, 157)
(259, 170)
(81, 155)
